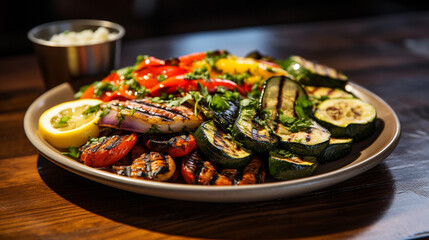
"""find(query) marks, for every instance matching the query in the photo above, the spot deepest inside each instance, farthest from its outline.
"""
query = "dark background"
(151, 18)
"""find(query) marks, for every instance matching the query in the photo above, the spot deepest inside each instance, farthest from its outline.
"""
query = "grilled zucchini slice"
(310, 142)
(251, 134)
(283, 165)
(347, 118)
(314, 74)
(337, 148)
(219, 147)
(279, 95)
(319, 94)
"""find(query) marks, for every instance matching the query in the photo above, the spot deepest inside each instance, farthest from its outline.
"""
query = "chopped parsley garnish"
(62, 122)
(269, 69)
(303, 107)
(254, 93)
(81, 90)
(72, 152)
(171, 101)
(121, 116)
(284, 153)
(237, 78)
(105, 111)
(198, 73)
(294, 124)
(91, 110)
(153, 129)
(136, 87)
(213, 56)
(95, 140)
(161, 77)
(283, 63)
(215, 102)
(127, 72)
(101, 87)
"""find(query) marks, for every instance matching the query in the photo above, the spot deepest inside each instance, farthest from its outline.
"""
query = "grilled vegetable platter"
(211, 118)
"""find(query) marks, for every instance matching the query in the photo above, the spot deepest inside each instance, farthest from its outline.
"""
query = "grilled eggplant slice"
(314, 74)
(219, 147)
(145, 116)
(286, 166)
(251, 134)
(337, 148)
(347, 118)
(153, 166)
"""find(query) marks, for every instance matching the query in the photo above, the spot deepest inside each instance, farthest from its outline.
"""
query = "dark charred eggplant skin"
(226, 119)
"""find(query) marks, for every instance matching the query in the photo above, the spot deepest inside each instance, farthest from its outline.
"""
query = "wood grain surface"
(388, 55)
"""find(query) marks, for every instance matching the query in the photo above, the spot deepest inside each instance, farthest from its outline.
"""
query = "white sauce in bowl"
(84, 37)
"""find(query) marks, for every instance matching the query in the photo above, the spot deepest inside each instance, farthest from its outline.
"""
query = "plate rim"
(257, 192)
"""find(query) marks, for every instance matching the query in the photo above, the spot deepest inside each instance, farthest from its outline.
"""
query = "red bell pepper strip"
(150, 61)
(180, 83)
(187, 60)
(113, 79)
(149, 76)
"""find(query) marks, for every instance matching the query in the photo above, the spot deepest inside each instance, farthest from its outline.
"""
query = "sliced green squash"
(337, 148)
(279, 97)
(346, 118)
(219, 147)
(280, 93)
(310, 142)
(313, 74)
(319, 94)
(283, 165)
(251, 134)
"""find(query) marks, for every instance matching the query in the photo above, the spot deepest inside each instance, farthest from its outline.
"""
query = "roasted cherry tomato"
(107, 150)
(178, 146)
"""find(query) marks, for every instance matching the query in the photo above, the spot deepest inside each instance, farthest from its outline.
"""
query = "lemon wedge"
(71, 123)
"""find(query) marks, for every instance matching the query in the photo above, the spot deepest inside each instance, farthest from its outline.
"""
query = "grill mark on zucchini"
(219, 147)
(218, 140)
(279, 98)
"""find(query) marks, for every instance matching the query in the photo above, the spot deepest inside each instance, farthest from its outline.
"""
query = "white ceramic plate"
(365, 155)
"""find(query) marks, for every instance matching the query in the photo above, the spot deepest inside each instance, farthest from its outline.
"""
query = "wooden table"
(388, 55)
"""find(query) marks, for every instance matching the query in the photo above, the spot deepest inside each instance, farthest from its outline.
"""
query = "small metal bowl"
(75, 63)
